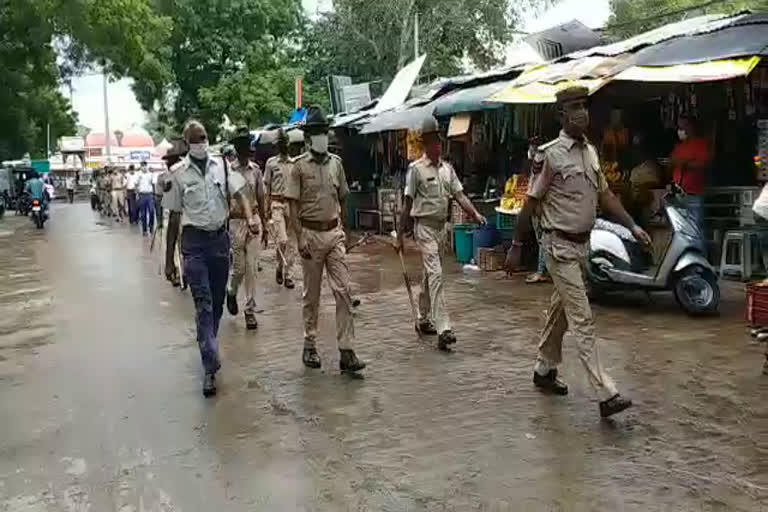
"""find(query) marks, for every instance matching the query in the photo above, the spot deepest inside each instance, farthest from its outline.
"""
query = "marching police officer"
(316, 189)
(199, 194)
(245, 243)
(429, 185)
(568, 190)
(277, 170)
(173, 160)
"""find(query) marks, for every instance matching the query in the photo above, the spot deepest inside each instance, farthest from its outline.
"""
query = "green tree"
(44, 42)
(372, 40)
(210, 43)
(631, 17)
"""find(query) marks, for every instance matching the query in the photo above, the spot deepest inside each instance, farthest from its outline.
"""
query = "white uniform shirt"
(144, 183)
(130, 180)
(70, 183)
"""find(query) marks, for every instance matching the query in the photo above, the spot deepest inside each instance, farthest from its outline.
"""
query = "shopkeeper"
(690, 161)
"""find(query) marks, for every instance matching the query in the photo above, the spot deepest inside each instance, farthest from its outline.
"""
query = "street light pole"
(416, 36)
(107, 134)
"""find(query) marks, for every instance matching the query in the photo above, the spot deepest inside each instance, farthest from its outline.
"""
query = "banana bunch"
(612, 173)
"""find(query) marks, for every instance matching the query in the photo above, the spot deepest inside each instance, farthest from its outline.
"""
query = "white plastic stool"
(744, 241)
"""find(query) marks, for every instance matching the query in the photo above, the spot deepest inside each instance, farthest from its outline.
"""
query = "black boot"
(311, 358)
(209, 385)
(550, 382)
(614, 405)
(279, 276)
(289, 284)
(349, 363)
(250, 321)
(231, 304)
(445, 339)
(427, 327)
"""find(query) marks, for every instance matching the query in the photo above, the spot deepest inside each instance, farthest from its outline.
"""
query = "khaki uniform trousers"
(285, 238)
(430, 239)
(569, 307)
(118, 202)
(245, 255)
(328, 252)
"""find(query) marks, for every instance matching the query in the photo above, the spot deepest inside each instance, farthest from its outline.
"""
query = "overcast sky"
(126, 113)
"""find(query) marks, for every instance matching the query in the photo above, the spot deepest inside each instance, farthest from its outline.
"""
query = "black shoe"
(311, 358)
(232, 304)
(250, 322)
(349, 362)
(445, 339)
(289, 284)
(279, 276)
(550, 382)
(427, 327)
(209, 385)
(614, 405)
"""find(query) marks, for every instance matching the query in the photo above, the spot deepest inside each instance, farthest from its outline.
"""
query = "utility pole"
(48, 140)
(107, 134)
(416, 36)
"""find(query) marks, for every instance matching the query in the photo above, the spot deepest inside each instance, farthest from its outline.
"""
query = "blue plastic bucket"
(463, 239)
(485, 236)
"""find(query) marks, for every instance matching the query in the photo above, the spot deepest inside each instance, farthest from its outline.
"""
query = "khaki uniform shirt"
(277, 170)
(117, 181)
(318, 184)
(201, 196)
(254, 187)
(168, 179)
(431, 187)
(569, 185)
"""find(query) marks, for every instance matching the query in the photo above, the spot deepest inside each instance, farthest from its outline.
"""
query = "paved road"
(101, 407)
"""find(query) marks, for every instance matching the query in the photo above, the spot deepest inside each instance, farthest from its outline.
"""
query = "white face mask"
(199, 150)
(682, 134)
(319, 143)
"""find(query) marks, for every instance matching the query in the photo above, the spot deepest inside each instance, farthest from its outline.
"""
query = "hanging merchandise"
(415, 147)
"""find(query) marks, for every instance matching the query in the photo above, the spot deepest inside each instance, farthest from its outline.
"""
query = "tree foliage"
(209, 46)
(44, 42)
(631, 17)
(372, 40)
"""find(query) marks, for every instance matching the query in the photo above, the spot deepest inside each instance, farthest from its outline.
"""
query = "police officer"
(245, 243)
(316, 189)
(429, 185)
(173, 160)
(118, 182)
(198, 193)
(568, 190)
(277, 170)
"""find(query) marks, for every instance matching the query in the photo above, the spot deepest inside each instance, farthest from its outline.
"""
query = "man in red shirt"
(690, 161)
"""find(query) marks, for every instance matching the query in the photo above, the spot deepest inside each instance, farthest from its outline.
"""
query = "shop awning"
(747, 37)
(691, 73)
(399, 119)
(540, 92)
(470, 99)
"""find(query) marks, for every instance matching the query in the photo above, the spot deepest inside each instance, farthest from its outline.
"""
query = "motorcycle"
(38, 213)
(617, 261)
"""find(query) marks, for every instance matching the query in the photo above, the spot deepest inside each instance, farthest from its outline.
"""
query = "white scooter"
(617, 261)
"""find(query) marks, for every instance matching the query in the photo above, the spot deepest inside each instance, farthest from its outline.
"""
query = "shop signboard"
(71, 144)
(138, 156)
(41, 165)
(336, 85)
(356, 96)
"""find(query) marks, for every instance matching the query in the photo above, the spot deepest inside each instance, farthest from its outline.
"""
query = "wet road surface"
(101, 407)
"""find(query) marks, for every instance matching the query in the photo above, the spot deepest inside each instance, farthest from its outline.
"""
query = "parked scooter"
(38, 213)
(617, 261)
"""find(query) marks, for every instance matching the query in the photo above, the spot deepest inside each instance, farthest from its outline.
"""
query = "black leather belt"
(578, 238)
(319, 225)
(204, 232)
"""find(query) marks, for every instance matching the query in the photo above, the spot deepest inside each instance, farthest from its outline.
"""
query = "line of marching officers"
(302, 200)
